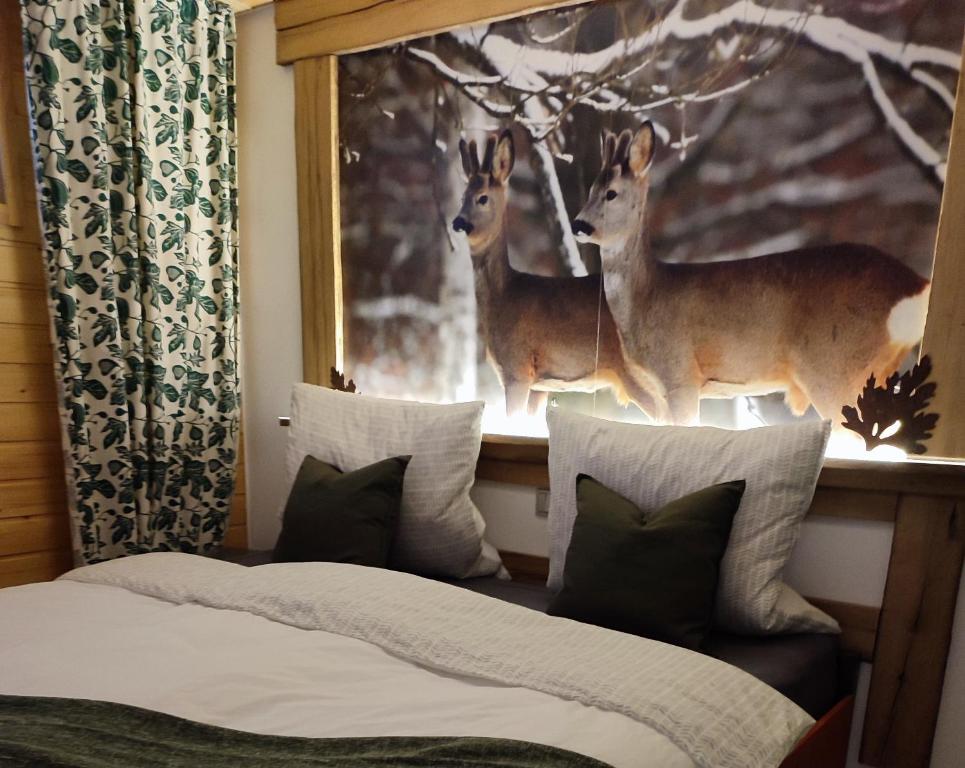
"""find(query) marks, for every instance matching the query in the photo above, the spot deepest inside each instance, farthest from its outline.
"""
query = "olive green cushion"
(650, 574)
(339, 517)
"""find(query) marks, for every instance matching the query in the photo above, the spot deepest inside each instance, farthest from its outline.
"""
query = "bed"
(371, 640)
(329, 650)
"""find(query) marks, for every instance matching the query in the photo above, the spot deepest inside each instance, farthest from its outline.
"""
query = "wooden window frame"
(311, 35)
(925, 501)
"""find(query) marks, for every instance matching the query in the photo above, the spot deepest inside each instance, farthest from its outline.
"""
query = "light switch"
(542, 502)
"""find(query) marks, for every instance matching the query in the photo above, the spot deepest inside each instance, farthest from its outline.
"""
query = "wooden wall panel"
(34, 532)
(34, 566)
(21, 264)
(20, 383)
(18, 216)
(26, 344)
(23, 422)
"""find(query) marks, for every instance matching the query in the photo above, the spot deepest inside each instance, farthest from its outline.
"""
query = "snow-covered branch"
(810, 191)
(394, 307)
(532, 70)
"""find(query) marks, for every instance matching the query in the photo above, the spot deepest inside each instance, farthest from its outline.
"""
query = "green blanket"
(79, 733)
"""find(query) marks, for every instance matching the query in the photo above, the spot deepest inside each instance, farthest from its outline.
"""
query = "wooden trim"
(945, 327)
(239, 509)
(319, 244)
(531, 569)
(523, 461)
(859, 625)
(914, 632)
(236, 537)
(826, 744)
(307, 28)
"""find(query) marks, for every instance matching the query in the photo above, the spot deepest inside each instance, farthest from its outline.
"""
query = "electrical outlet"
(542, 502)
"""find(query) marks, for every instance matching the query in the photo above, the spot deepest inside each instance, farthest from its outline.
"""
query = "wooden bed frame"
(908, 636)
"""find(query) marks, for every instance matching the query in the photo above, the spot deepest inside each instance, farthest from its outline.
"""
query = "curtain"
(133, 121)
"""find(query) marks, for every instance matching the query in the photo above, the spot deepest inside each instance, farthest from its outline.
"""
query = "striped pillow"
(652, 466)
(440, 530)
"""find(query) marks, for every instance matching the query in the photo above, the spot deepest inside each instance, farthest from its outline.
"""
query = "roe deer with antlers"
(540, 332)
(813, 322)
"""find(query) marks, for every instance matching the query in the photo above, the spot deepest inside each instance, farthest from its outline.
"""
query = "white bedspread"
(143, 631)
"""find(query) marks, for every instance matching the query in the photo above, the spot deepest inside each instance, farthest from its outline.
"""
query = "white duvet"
(334, 650)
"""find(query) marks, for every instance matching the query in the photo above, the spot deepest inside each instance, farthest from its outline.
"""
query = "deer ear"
(504, 157)
(473, 158)
(609, 147)
(621, 155)
(466, 159)
(642, 148)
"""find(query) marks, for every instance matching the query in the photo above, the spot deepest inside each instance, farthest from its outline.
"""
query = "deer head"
(484, 202)
(614, 209)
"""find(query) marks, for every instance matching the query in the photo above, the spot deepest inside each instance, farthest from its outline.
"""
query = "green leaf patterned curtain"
(133, 116)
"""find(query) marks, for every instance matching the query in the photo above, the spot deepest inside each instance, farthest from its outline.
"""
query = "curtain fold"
(132, 111)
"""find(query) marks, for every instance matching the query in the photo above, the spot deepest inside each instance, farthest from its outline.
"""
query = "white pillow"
(652, 466)
(440, 530)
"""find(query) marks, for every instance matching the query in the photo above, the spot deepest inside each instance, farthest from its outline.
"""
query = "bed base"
(826, 744)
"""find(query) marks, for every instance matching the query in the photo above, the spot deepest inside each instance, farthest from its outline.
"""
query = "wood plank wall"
(34, 532)
(34, 528)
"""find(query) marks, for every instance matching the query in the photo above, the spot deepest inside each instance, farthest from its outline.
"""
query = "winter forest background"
(780, 125)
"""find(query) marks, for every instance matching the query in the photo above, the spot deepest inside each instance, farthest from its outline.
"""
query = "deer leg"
(654, 408)
(517, 393)
(684, 405)
(536, 401)
(796, 399)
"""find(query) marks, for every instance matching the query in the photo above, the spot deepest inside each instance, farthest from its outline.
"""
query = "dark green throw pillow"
(653, 575)
(339, 517)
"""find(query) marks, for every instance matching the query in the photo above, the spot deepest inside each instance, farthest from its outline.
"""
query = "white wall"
(270, 305)
(842, 560)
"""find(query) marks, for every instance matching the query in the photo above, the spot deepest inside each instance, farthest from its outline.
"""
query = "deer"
(813, 322)
(540, 332)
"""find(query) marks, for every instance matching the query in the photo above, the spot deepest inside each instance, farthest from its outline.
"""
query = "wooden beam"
(243, 6)
(307, 28)
(316, 148)
(945, 329)
(914, 633)
(859, 625)
(523, 461)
